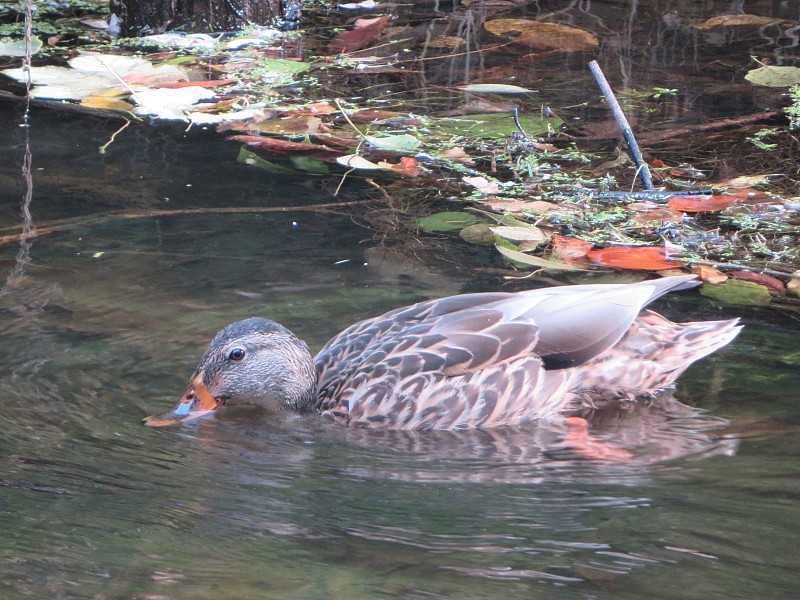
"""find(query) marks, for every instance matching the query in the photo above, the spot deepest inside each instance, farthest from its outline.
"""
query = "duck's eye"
(236, 354)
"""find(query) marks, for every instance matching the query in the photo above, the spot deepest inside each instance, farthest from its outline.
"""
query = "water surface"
(103, 321)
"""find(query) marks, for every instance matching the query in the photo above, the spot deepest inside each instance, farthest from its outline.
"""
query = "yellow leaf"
(106, 103)
(544, 36)
(734, 20)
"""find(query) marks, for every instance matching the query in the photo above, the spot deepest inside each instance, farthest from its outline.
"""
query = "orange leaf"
(645, 258)
(709, 274)
(567, 248)
(695, 204)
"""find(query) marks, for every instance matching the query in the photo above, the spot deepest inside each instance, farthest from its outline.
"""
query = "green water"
(102, 325)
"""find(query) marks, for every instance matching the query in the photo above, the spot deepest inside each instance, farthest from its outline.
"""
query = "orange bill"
(195, 402)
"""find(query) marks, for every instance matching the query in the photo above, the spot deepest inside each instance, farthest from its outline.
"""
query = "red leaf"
(358, 38)
(280, 146)
(645, 258)
(775, 286)
(695, 204)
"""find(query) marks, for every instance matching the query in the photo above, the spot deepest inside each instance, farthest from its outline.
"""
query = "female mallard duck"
(475, 360)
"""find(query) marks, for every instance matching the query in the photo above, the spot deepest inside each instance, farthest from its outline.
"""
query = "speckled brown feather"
(486, 360)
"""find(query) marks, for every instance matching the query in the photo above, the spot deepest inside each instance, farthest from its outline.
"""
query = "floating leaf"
(494, 125)
(360, 37)
(354, 161)
(284, 66)
(494, 88)
(18, 47)
(735, 291)
(169, 104)
(483, 185)
(396, 143)
(310, 165)
(794, 284)
(365, 4)
(774, 285)
(737, 20)
(254, 160)
(446, 221)
(709, 274)
(526, 260)
(774, 76)
(644, 258)
(280, 146)
(544, 36)
(696, 204)
(447, 42)
(567, 248)
(521, 234)
(107, 103)
(479, 234)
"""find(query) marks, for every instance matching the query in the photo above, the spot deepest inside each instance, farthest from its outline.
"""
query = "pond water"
(103, 323)
(103, 319)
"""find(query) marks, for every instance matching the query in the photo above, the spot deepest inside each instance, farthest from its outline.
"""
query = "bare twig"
(622, 123)
(67, 224)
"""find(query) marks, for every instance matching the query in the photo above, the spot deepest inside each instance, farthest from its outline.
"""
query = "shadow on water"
(102, 323)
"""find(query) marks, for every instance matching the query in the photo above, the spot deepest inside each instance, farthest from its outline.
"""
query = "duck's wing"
(478, 338)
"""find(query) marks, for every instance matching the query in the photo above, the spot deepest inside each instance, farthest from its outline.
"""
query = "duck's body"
(469, 361)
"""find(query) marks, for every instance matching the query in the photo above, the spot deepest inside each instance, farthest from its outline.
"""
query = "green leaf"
(494, 125)
(736, 291)
(250, 158)
(288, 67)
(397, 143)
(774, 76)
(446, 221)
(479, 234)
(9, 47)
(526, 260)
(521, 234)
(310, 165)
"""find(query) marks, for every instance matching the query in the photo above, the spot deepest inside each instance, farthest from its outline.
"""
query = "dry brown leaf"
(709, 274)
(774, 285)
(544, 36)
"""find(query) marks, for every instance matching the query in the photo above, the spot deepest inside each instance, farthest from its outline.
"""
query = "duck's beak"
(195, 402)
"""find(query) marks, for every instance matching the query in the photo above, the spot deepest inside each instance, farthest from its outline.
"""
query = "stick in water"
(623, 124)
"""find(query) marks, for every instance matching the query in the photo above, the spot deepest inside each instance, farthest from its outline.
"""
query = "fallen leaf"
(169, 104)
(746, 181)
(358, 38)
(696, 204)
(479, 234)
(365, 4)
(446, 42)
(209, 83)
(774, 285)
(483, 185)
(396, 143)
(735, 291)
(107, 103)
(447, 221)
(354, 161)
(493, 88)
(407, 166)
(521, 234)
(644, 258)
(794, 284)
(458, 155)
(658, 215)
(776, 77)
(737, 20)
(544, 36)
(567, 248)
(280, 146)
(709, 274)
(526, 260)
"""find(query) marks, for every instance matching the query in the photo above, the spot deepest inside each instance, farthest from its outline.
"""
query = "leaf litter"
(281, 103)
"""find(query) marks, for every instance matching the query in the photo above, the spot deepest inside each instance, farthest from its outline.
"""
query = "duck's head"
(255, 361)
